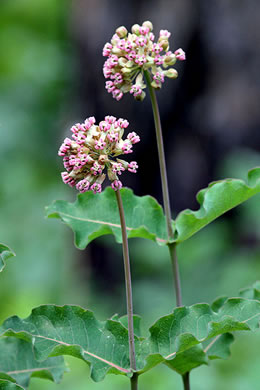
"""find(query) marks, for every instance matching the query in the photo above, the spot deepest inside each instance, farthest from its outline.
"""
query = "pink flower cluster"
(92, 148)
(129, 54)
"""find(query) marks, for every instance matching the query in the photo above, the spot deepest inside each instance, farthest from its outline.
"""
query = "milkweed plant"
(94, 155)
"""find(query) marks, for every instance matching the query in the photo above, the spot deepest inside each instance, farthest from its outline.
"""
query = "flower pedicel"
(129, 54)
(92, 149)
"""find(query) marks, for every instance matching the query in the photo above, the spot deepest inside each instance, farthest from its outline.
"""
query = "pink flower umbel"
(130, 54)
(93, 150)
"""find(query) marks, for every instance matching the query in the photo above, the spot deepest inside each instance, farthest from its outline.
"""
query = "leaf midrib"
(98, 222)
(85, 351)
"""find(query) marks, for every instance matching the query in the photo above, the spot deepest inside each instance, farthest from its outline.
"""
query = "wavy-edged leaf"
(6, 385)
(252, 292)
(18, 363)
(187, 327)
(5, 253)
(183, 340)
(219, 197)
(71, 330)
(92, 216)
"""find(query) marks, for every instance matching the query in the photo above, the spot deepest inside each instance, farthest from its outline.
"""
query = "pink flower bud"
(127, 148)
(157, 48)
(140, 59)
(68, 179)
(133, 138)
(113, 136)
(141, 41)
(83, 185)
(96, 169)
(136, 90)
(116, 185)
(79, 137)
(165, 33)
(100, 144)
(132, 167)
(144, 30)
(158, 60)
(104, 126)
(123, 123)
(158, 77)
(110, 86)
(96, 187)
(117, 94)
(65, 147)
(180, 54)
(118, 168)
(107, 49)
(110, 119)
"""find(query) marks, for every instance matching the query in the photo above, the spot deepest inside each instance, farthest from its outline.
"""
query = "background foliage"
(51, 56)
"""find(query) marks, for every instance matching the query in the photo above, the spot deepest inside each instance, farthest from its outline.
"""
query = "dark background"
(51, 77)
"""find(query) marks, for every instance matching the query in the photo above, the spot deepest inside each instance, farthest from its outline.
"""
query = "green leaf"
(252, 292)
(92, 216)
(6, 385)
(187, 327)
(71, 330)
(219, 197)
(18, 364)
(5, 253)
(183, 340)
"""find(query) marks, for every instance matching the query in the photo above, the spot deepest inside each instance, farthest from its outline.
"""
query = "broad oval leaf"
(187, 327)
(92, 216)
(71, 330)
(5, 253)
(6, 385)
(18, 363)
(183, 340)
(219, 197)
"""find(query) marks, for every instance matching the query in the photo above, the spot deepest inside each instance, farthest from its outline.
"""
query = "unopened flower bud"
(121, 31)
(148, 24)
(135, 29)
(122, 61)
(171, 73)
(169, 59)
(164, 43)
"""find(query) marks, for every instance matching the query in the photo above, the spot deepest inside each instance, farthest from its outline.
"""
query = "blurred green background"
(40, 97)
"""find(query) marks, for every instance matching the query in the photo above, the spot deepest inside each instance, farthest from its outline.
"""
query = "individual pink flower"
(132, 166)
(83, 185)
(116, 185)
(94, 149)
(180, 54)
(130, 54)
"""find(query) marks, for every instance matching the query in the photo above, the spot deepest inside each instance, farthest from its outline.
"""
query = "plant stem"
(163, 172)
(165, 190)
(134, 382)
(176, 273)
(128, 283)
(186, 381)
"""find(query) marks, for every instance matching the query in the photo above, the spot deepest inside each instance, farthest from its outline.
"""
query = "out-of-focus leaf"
(92, 216)
(5, 253)
(6, 385)
(18, 363)
(252, 292)
(219, 197)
